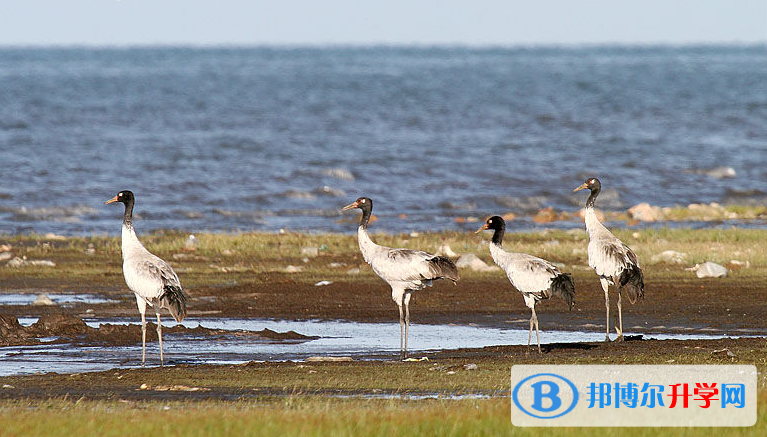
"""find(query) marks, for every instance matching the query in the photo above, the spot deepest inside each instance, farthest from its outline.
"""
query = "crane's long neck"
(592, 197)
(367, 209)
(498, 234)
(128, 215)
(367, 246)
(130, 243)
(592, 222)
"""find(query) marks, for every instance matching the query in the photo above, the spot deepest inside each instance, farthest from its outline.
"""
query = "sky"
(394, 22)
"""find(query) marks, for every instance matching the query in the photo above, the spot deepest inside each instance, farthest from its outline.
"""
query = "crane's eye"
(362, 201)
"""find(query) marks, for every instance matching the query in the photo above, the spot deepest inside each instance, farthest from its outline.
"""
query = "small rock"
(669, 256)
(645, 212)
(310, 251)
(8, 386)
(451, 372)
(4, 256)
(415, 234)
(710, 270)
(143, 387)
(716, 172)
(353, 271)
(43, 299)
(91, 250)
(473, 262)
(191, 242)
(22, 262)
(5, 247)
(546, 215)
(292, 269)
(227, 252)
(319, 359)
(445, 250)
(470, 366)
(52, 236)
(737, 265)
(335, 265)
(322, 283)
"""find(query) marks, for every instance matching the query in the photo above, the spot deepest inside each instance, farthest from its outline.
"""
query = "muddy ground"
(681, 304)
(445, 373)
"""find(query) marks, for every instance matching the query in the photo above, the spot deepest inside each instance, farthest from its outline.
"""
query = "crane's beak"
(582, 187)
(481, 228)
(112, 200)
(350, 206)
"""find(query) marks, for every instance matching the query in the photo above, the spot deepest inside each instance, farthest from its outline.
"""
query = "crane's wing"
(527, 273)
(610, 256)
(412, 265)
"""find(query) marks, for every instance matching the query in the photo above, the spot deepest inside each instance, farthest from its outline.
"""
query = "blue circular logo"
(547, 395)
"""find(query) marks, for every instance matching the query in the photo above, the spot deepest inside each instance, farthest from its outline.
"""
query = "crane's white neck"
(592, 222)
(130, 243)
(367, 246)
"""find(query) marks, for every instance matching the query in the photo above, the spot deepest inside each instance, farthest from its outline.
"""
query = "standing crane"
(535, 278)
(405, 270)
(615, 263)
(150, 278)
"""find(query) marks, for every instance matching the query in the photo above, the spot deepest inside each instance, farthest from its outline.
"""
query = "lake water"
(270, 138)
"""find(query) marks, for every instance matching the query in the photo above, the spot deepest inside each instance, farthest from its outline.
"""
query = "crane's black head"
(592, 184)
(595, 186)
(496, 224)
(125, 196)
(493, 223)
(363, 203)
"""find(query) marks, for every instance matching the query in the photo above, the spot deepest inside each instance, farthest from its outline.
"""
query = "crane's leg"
(401, 331)
(530, 333)
(407, 320)
(141, 303)
(619, 328)
(537, 334)
(159, 333)
(605, 287)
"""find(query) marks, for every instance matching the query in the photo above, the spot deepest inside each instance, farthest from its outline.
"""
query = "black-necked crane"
(150, 278)
(405, 270)
(535, 278)
(615, 263)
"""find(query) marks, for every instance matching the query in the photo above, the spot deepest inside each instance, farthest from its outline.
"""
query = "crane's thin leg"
(605, 287)
(530, 333)
(401, 332)
(143, 339)
(141, 304)
(407, 320)
(159, 334)
(537, 334)
(620, 319)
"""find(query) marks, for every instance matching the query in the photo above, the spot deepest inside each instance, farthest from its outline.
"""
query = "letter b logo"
(548, 390)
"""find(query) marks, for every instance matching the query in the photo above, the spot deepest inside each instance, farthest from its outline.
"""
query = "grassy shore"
(238, 256)
(303, 398)
(317, 398)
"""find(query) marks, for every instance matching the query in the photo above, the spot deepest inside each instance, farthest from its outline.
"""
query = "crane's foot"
(607, 338)
(620, 338)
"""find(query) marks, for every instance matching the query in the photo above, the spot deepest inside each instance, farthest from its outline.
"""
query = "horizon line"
(415, 45)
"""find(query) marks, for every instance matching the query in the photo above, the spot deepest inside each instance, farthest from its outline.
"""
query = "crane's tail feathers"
(562, 286)
(632, 282)
(174, 300)
(442, 267)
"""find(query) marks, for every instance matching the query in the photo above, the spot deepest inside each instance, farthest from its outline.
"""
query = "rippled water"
(265, 138)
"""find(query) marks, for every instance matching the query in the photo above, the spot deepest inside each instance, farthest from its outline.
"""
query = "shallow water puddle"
(337, 338)
(60, 299)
